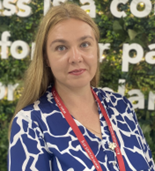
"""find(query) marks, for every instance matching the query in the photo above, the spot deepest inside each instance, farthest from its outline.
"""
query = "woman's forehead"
(71, 28)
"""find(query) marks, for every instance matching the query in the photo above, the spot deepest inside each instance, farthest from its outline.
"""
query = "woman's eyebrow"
(58, 41)
(64, 41)
(85, 37)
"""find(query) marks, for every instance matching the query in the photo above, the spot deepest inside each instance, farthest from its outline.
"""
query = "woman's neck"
(76, 97)
(82, 106)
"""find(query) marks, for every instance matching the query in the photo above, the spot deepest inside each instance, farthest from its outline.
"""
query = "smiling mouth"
(77, 72)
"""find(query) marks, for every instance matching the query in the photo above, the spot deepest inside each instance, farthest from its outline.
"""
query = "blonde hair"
(39, 76)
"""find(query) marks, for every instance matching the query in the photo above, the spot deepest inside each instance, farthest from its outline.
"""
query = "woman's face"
(72, 53)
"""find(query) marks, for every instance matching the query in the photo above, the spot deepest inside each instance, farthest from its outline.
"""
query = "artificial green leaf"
(132, 34)
(117, 26)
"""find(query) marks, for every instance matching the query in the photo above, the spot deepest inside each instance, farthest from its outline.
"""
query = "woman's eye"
(86, 44)
(60, 48)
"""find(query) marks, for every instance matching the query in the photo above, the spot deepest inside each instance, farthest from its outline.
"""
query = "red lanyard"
(81, 138)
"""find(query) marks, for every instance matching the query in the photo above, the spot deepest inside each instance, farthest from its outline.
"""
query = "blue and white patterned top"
(42, 140)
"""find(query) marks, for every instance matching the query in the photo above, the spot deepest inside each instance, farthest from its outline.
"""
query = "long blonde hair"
(39, 76)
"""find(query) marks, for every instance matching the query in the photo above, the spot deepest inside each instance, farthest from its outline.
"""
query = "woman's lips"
(77, 72)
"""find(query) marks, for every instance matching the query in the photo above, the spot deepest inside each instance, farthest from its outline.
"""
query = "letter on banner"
(4, 43)
(121, 88)
(2, 91)
(14, 49)
(145, 12)
(57, 2)
(127, 59)
(11, 89)
(150, 56)
(151, 102)
(103, 47)
(22, 5)
(90, 7)
(12, 8)
(113, 8)
(47, 4)
(139, 98)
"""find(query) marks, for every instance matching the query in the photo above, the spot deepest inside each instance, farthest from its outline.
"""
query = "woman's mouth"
(77, 71)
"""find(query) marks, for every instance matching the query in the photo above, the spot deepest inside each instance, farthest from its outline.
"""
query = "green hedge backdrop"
(113, 30)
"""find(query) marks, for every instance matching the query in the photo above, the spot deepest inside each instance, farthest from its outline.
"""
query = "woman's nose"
(75, 56)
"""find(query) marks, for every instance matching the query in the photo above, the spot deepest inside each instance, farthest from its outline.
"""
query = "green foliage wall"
(140, 76)
(113, 30)
(12, 70)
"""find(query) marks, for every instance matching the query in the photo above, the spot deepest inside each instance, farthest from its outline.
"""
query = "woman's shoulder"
(107, 92)
(43, 106)
(112, 98)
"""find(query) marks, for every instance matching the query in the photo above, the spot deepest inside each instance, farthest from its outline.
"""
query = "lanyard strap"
(76, 129)
(81, 138)
(117, 149)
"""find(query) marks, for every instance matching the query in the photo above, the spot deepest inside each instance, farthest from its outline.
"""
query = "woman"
(62, 122)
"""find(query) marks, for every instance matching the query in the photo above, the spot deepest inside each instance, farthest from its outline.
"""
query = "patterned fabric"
(42, 140)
